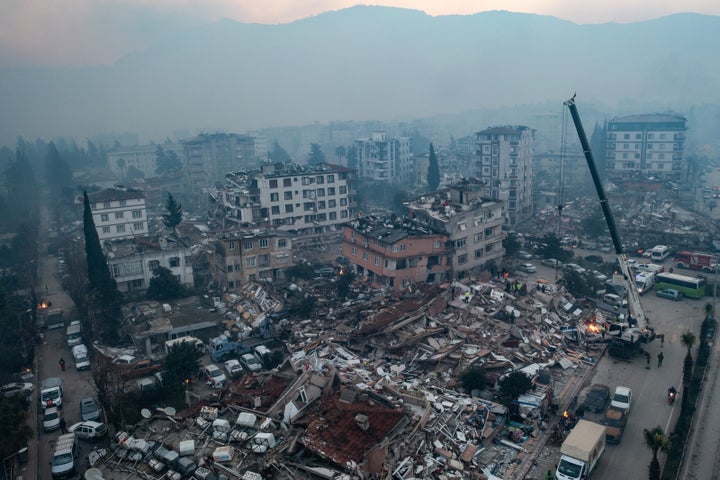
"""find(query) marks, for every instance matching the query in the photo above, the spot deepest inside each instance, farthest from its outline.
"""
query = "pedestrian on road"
(647, 360)
(63, 428)
(549, 475)
(62, 364)
(661, 357)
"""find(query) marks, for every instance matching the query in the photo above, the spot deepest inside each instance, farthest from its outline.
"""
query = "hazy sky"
(92, 32)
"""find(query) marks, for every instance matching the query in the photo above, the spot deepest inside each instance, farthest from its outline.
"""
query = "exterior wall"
(647, 144)
(134, 272)
(143, 157)
(411, 259)
(504, 164)
(119, 218)
(239, 258)
(384, 159)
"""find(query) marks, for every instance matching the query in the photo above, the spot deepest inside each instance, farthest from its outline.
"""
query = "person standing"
(62, 364)
(63, 428)
(661, 357)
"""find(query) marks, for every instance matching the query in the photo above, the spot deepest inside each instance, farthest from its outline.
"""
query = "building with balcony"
(313, 199)
(472, 222)
(649, 144)
(382, 158)
(132, 262)
(395, 252)
(244, 255)
(119, 213)
(503, 162)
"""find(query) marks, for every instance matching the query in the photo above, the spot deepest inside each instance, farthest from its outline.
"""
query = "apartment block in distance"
(650, 144)
(141, 157)
(119, 213)
(381, 158)
(472, 222)
(242, 255)
(504, 162)
(395, 252)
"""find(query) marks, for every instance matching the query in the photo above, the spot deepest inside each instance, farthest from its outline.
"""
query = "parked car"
(614, 422)
(89, 430)
(527, 268)
(551, 262)
(622, 399)
(669, 293)
(89, 409)
(524, 255)
(594, 259)
(51, 419)
(17, 388)
(599, 276)
(597, 398)
(233, 367)
(251, 362)
(574, 267)
(215, 377)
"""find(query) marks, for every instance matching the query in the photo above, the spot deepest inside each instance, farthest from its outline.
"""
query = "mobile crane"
(627, 344)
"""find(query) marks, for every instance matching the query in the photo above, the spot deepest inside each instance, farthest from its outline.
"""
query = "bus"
(660, 253)
(692, 287)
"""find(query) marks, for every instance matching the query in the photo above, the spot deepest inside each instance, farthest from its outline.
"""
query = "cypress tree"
(174, 216)
(433, 174)
(96, 262)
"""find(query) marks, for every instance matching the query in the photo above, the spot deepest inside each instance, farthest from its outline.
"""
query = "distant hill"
(367, 63)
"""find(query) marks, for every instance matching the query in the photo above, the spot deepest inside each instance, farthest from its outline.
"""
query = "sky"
(99, 32)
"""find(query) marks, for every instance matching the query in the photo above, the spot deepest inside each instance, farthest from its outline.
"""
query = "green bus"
(692, 287)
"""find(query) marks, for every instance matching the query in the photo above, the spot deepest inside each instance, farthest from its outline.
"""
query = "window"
(248, 244)
(282, 243)
(106, 230)
(120, 229)
(320, 180)
(488, 232)
(343, 202)
(250, 262)
(332, 203)
(174, 262)
(288, 209)
(353, 251)
(462, 227)
(320, 192)
(377, 260)
(119, 215)
(365, 256)
(321, 204)
(273, 183)
(436, 243)
(231, 245)
(331, 191)
(123, 203)
(322, 217)
(462, 259)
(333, 215)
(138, 226)
(153, 265)
(287, 182)
(344, 214)
(106, 204)
(399, 247)
(288, 196)
(137, 213)
(343, 190)
(477, 238)
(307, 180)
(104, 217)
(275, 210)
(478, 253)
(460, 242)
(264, 243)
(308, 206)
(274, 197)
(331, 178)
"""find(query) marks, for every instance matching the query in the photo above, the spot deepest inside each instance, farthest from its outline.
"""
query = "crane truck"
(628, 343)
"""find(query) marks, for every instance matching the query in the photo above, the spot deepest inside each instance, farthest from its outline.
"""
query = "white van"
(64, 461)
(199, 345)
(659, 253)
(73, 334)
(80, 355)
(650, 268)
(614, 300)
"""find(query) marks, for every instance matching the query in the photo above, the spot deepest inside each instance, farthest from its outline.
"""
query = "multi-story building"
(241, 256)
(141, 157)
(209, 157)
(472, 222)
(119, 213)
(395, 253)
(305, 199)
(382, 158)
(504, 164)
(132, 262)
(651, 144)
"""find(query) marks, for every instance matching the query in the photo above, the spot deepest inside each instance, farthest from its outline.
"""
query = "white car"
(622, 399)
(215, 377)
(17, 388)
(89, 430)
(233, 367)
(51, 419)
(251, 362)
(527, 268)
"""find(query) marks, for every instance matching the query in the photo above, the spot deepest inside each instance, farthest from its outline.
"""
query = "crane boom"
(642, 330)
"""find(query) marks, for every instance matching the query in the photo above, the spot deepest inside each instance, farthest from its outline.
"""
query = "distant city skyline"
(88, 32)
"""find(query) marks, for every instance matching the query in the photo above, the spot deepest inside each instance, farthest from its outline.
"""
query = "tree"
(687, 339)
(340, 152)
(165, 286)
(13, 418)
(433, 173)
(594, 224)
(278, 154)
(121, 165)
(655, 440)
(512, 386)
(474, 378)
(351, 156)
(166, 162)
(343, 284)
(181, 364)
(174, 216)
(316, 155)
(134, 173)
(511, 244)
(96, 262)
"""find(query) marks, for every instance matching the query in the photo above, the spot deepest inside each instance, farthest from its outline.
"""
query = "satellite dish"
(145, 413)
(93, 474)
(170, 411)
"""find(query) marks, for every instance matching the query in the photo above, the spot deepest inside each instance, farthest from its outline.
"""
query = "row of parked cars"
(615, 408)
(234, 367)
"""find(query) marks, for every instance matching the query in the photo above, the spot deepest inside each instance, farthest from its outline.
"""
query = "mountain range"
(365, 63)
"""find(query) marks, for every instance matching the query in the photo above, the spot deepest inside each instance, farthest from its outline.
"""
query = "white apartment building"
(472, 222)
(382, 158)
(305, 199)
(504, 163)
(119, 213)
(651, 144)
(141, 157)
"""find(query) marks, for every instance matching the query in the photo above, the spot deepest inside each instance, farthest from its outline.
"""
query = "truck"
(55, 319)
(645, 281)
(51, 393)
(628, 343)
(223, 347)
(581, 451)
(705, 262)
